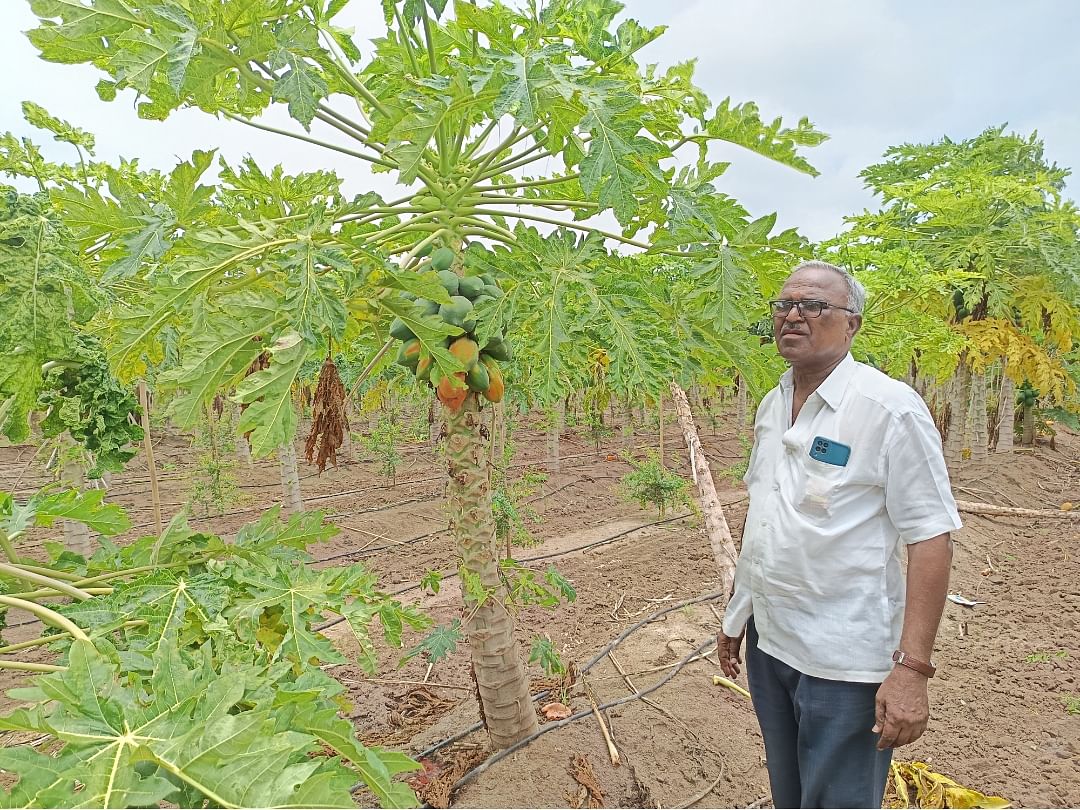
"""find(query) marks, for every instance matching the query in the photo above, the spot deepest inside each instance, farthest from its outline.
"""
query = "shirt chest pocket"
(817, 487)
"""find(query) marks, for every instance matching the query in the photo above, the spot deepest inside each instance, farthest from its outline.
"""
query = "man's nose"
(794, 314)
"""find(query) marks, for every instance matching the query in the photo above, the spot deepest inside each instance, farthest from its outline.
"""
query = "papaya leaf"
(269, 416)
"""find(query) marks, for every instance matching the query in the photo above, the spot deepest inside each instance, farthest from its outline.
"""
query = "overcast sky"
(871, 74)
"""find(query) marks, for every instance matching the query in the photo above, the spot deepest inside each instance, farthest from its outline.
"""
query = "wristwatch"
(903, 659)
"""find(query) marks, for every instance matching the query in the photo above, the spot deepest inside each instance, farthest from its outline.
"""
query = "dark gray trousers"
(819, 748)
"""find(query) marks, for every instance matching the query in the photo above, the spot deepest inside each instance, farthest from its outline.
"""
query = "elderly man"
(846, 470)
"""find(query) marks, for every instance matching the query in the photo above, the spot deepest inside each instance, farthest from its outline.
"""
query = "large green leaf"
(185, 723)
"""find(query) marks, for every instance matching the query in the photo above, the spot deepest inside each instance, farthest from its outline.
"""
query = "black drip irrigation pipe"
(453, 574)
(487, 763)
(330, 496)
(708, 597)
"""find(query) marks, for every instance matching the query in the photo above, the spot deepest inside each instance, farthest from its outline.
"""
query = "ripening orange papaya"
(496, 387)
(465, 350)
(453, 390)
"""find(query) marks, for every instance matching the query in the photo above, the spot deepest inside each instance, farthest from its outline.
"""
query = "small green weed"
(651, 483)
(1043, 657)
(383, 442)
(213, 481)
(1072, 704)
(543, 652)
(736, 471)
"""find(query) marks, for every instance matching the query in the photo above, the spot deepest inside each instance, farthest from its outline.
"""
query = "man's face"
(821, 341)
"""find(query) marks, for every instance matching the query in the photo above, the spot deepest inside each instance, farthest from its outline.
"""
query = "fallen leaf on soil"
(582, 771)
(913, 784)
(555, 711)
(433, 785)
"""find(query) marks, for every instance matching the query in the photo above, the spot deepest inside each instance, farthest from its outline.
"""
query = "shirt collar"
(832, 387)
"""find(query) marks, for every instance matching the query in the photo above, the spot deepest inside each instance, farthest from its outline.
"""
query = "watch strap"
(923, 668)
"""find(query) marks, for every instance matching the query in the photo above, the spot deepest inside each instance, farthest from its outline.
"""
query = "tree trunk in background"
(76, 534)
(498, 441)
(958, 391)
(1027, 436)
(980, 433)
(741, 405)
(660, 424)
(554, 434)
(1006, 431)
(716, 526)
(434, 422)
(290, 479)
(243, 451)
(148, 448)
(629, 426)
(501, 681)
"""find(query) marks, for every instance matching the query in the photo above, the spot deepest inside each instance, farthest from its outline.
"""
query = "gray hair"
(856, 291)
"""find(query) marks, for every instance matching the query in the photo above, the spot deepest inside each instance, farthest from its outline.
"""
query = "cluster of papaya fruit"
(482, 374)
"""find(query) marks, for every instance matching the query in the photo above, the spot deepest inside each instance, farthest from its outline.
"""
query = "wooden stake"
(1008, 511)
(716, 526)
(148, 446)
(613, 752)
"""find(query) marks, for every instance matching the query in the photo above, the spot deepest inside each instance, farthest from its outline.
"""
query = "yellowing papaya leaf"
(933, 790)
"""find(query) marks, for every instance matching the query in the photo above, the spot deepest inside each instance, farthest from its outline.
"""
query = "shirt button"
(775, 487)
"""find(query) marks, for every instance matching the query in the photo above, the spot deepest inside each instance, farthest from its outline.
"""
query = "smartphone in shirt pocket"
(823, 474)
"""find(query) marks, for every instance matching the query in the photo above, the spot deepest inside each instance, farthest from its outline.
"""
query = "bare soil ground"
(1007, 667)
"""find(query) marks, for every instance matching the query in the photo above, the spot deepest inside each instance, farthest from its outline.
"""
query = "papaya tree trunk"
(1027, 436)
(501, 682)
(554, 435)
(1006, 429)
(980, 432)
(741, 404)
(498, 441)
(148, 448)
(290, 479)
(716, 525)
(660, 423)
(76, 534)
(958, 410)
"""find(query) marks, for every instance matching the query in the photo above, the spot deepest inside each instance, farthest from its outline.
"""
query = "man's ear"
(854, 325)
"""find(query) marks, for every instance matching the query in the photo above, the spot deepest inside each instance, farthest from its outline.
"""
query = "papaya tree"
(493, 121)
(972, 262)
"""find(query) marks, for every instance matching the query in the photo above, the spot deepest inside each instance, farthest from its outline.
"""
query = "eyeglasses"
(807, 309)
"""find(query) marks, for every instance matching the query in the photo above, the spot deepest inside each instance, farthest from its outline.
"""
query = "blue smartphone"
(829, 451)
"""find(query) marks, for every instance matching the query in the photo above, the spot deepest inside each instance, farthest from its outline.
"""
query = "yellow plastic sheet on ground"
(913, 784)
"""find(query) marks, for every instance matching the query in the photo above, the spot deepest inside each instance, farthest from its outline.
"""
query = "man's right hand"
(729, 650)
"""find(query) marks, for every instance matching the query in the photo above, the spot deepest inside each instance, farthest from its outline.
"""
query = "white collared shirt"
(820, 566)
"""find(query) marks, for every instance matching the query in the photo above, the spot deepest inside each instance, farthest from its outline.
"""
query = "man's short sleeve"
(918, 497)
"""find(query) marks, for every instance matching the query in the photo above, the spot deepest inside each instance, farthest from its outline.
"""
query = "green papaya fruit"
(493, 291)
(442, 259)
(456, 311)
(425, 251)
(470, 287)
(429, 307)
(409, 354)
(399, 330)
(498, 349)
(449, 280)
(487, 278)
(478, 378)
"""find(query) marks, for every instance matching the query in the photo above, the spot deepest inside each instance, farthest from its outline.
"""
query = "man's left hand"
(902, 708)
